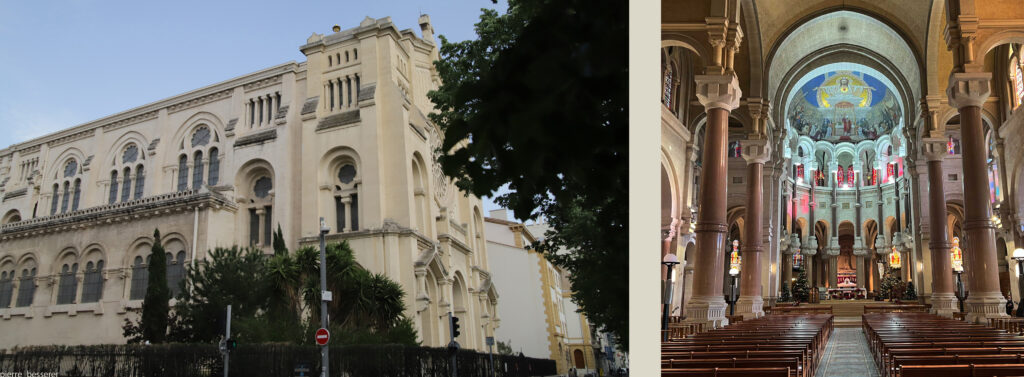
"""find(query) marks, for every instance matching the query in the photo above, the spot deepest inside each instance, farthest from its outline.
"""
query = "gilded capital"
(969, 89)
(718, 91)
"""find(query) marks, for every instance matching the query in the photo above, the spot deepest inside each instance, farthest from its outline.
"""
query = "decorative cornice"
(366, 93)
(309, 106)
(71, 138)
(262, 83)
(256, 138)
(15, 193)
(131, 120)
(200, 101)
(119, 212)
(338, 120)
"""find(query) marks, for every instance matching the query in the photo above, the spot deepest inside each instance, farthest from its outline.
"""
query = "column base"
(984, 305)
(944, 304)
(750, 307)
(708, 310)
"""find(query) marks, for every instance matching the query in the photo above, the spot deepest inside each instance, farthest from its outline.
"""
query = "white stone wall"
(411, 220)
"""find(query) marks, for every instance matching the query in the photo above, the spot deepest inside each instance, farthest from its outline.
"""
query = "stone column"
(346, 202)
(967, 92)
(750, 304)
(719, 94)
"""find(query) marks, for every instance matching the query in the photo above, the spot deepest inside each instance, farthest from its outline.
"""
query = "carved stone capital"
(755, 151)
(969, 89)
(934, 149)
(718, 91)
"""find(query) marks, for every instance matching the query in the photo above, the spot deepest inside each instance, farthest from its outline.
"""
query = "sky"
(68, 62)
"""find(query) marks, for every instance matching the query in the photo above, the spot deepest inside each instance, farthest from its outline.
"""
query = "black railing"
(204, 360)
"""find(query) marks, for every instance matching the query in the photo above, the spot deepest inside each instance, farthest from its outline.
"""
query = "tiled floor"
(847, 355)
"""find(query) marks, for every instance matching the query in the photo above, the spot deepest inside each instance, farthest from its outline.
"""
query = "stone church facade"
(342, 135)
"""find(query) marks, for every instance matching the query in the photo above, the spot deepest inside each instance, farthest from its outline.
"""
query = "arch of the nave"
(842, 132)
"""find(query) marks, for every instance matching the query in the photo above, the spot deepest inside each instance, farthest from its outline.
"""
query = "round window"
(262, 187)
(347, 173)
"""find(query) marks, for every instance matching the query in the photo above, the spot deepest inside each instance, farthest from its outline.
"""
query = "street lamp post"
(732, 292)
(1018, 255)
(670, 261)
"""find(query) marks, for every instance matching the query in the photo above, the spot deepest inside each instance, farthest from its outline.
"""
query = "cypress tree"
(279, 246)
(156, 306)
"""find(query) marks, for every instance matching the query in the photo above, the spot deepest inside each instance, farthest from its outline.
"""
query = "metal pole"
(490, 351)
(324, 355)
(667, 301)
(227, 335)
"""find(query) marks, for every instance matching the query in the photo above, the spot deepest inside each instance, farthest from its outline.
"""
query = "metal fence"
(181, 360)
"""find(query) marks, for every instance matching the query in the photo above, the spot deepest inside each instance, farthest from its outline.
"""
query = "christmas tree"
(891, 284)
(911, 294)
(800, 290)
(785, 297)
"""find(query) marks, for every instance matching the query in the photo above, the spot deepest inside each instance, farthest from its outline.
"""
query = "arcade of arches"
(828, 136)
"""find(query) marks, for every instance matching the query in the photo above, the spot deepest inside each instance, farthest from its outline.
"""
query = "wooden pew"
(970, 370)
(725, 372)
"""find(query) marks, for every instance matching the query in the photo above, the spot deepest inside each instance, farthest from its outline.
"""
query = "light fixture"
(1018, 254)
(734, 271)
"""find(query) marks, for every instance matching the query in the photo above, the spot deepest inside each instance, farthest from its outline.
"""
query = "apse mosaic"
(844, 106)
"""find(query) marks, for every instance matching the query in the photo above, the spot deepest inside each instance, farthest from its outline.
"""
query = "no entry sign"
(322, 336)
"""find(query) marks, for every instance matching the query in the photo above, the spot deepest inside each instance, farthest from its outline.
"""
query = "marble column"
(967, 92)
(750, 304)
(719, 94)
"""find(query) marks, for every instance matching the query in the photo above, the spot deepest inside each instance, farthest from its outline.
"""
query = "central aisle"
(847, 354)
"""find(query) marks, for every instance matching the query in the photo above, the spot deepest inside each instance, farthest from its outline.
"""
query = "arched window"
(183, 173)
(175, 272)
(346, 56)
(666, 95)
(78, 194)
(197, 174)
(6, 288)
(330, 60)
(140, 278)
(26, 287)
(140, 180)
(65, 195)
(355, 54)
(261, 216)
(56, 196)
(92, 287)
(113, 187)
(126, 188)
(214, 167)
(68, 284)
(346, 199)
(1016, 77)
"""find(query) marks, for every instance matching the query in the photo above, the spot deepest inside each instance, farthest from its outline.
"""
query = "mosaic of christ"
(844, 106)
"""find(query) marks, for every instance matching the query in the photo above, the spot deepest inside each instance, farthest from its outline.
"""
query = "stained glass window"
(667, 86)
(1018, 81)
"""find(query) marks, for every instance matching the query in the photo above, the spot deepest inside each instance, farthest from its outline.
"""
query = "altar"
(847, 293)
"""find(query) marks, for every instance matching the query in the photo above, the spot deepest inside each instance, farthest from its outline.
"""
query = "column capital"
(934, 149)
(718, 91)
(755, 151)
(969, 89)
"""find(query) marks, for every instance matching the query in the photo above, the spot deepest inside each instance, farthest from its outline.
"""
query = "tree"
(911, 293)
(553, 130)
(891, 284)
(504, 348)
(279, 246)
(269, 295)
(784, 296)
(156, 305)
(801, 291)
